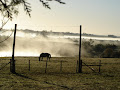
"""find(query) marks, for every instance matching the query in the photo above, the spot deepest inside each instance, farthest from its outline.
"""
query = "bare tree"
(8, 8)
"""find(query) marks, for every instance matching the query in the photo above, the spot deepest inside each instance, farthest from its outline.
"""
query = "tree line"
(101, 50)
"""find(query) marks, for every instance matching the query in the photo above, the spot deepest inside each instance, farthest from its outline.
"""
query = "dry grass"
(36, 78)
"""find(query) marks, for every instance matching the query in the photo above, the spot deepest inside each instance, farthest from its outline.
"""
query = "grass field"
(57, 77)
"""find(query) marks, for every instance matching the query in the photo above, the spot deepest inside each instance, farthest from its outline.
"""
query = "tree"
(116, 54)
(107, 53)
(44, 33)
(88, 46)
(8, 8)
(112, 46)
(98, 49)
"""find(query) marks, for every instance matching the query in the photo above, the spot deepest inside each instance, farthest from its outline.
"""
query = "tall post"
(12, 61)
(80, 61)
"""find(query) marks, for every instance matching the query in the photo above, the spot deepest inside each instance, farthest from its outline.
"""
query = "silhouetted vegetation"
(101, 50)
(8, 8)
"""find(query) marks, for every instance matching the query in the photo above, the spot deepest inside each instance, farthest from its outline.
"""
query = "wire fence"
(55, 65)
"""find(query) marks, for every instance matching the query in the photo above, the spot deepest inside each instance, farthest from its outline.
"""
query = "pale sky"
(95, 16)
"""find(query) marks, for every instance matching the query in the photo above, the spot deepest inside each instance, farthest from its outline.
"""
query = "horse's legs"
(49, 58)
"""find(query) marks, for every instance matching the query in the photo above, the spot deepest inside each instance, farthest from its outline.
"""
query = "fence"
(55, 65)
(4, 64)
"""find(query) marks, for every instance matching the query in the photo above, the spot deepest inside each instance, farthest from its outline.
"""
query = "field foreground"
(60, 74)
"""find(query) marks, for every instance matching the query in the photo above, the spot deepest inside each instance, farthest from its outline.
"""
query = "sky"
(100, 17)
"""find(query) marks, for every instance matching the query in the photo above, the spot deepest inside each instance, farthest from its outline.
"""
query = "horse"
(45, 55)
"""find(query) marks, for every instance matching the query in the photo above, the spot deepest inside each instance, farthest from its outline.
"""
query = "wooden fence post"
(46, 67)
(77, 67)
(29, 65)
(61, 66)
(12, 61)
(80, 61)
(99, 65)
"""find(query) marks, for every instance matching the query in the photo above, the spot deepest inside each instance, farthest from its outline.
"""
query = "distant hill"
(66, 33)
(45, 32)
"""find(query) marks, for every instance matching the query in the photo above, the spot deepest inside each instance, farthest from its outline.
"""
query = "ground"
(60, 76)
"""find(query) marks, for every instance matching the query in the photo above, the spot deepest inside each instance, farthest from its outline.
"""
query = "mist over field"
(28, 44)
(32, 43)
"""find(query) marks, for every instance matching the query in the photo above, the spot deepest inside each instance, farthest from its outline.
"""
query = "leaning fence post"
(12, 61)
(61, 66)
(99, 65)
(29, 65)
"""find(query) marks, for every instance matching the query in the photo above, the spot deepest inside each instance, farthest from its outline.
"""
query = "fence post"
(61, 66)
(29, 65)
(99, 65)
(77, 67)
(80, 61)
(46, 67)
(12, 61)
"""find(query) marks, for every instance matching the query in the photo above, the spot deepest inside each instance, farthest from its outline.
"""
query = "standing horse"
(45, 55)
